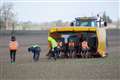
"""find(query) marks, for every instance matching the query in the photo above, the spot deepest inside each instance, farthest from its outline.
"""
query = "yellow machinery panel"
(60, 29)
(65, 29)
(101, 33)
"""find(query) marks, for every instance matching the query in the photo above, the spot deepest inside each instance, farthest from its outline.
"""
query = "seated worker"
(35, 49)
(60, 48)
(71, 48)
(60, 44)
(77, 49)
(85, 48)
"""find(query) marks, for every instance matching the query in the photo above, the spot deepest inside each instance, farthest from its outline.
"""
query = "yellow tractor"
(83, 28)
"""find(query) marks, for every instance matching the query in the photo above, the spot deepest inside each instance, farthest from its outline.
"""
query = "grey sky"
(67, 10)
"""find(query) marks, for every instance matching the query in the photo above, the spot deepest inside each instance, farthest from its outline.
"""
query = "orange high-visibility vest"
(85, 44)
(13, 45)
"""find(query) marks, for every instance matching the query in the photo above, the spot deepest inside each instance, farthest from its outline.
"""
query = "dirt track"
(64, 69)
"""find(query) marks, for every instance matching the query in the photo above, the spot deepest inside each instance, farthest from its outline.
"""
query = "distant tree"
(7, 15)
(118, 23)
(59, 23)
(109, 20)
(106, 18)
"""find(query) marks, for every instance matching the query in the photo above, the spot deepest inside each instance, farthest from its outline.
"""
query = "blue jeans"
(13, 55)
(55, 53)
(36, 56)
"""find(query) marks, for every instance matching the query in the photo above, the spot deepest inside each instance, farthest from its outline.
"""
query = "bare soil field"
(63, 69)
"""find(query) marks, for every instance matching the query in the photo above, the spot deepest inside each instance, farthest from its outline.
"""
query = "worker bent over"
(35, 49)
(53, 50)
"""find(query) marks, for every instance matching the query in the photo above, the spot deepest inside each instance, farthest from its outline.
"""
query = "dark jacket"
(35, 49)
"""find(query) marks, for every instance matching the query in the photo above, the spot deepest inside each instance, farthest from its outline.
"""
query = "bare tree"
(106, 18)
(7, 15)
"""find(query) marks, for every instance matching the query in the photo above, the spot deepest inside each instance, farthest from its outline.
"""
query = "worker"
(13, 46)
(71, 48)
(98, 20)
(85, 48)
(35, 49)
(53, 48)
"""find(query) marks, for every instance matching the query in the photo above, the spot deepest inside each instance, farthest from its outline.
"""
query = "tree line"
(8, 18)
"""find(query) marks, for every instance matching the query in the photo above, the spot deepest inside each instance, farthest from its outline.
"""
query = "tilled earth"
(63, 69)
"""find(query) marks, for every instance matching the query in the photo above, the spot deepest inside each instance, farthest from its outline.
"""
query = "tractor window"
(93, 24)
(78, 23)
(85, 23)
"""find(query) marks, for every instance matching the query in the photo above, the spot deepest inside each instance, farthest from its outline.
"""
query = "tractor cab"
(88, 22)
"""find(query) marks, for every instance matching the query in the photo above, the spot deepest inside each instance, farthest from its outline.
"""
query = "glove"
(53, 49)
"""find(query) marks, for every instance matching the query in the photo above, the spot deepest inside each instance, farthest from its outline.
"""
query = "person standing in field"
(13, 46)
(98, 20)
